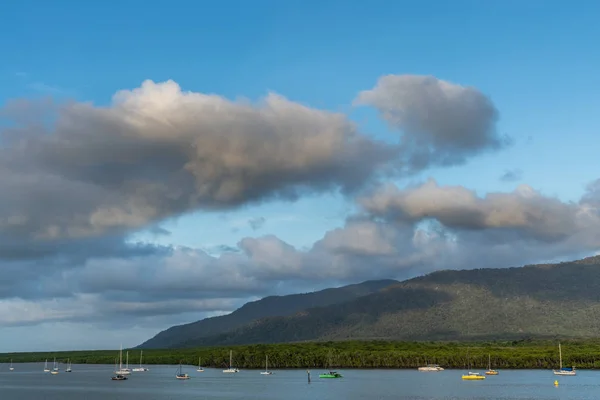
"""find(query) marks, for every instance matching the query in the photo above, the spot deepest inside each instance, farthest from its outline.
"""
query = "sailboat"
(472, 376)
(330, 374)
(55, 368)
(140, 369)
(266, 371)
(230, 370)
(490, 371)
(118, 377)
(11, 367)
(200, 369)
(564, 371)
(68, 365)
(46, 369)
(127, 363)
(180, 374)
(121, 370)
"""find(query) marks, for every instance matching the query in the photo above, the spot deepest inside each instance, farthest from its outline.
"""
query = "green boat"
(331, 375)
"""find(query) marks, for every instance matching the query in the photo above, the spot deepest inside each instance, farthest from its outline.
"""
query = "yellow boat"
(473, 376)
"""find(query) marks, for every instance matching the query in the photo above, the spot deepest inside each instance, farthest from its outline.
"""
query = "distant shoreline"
(517, 354)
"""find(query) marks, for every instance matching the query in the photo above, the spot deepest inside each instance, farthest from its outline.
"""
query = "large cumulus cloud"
(157, 151)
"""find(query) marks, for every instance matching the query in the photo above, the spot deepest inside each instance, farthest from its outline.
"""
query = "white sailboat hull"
(123, 372)
(565, 373)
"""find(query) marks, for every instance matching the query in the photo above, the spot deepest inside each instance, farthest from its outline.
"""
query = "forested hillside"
(540, 301)
(179, 336)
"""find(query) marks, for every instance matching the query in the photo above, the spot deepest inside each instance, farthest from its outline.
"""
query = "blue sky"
(537, 61)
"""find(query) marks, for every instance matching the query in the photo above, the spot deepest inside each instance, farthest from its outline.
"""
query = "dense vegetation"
(178, 336)
(554, 300)
(355, 354)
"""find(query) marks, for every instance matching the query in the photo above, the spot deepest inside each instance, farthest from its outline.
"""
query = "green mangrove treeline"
(353, 354)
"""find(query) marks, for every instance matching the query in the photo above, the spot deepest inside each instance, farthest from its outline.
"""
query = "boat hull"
(329, 376)
(473, 377)
(122, 372)
(565, 373)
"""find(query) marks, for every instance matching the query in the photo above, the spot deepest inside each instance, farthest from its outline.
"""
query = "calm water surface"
(92, 382)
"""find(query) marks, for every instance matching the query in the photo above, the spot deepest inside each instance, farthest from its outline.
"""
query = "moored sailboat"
(200, 369)
(180, 374)
(55, 368)
(230, 370)
(472, 376)
(490, 371)
(121, 370)
(46, 369)
(564, 371)
(266, 371)
(140, 369)
(68, 365)
(11, 368)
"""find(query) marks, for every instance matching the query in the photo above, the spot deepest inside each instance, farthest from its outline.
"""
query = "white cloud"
(442, 123)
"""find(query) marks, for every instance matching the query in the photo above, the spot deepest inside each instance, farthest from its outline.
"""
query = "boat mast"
(560, 355)
(468, 360)
(230, 358)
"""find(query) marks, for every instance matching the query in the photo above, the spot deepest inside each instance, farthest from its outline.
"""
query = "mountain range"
(535, 301)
